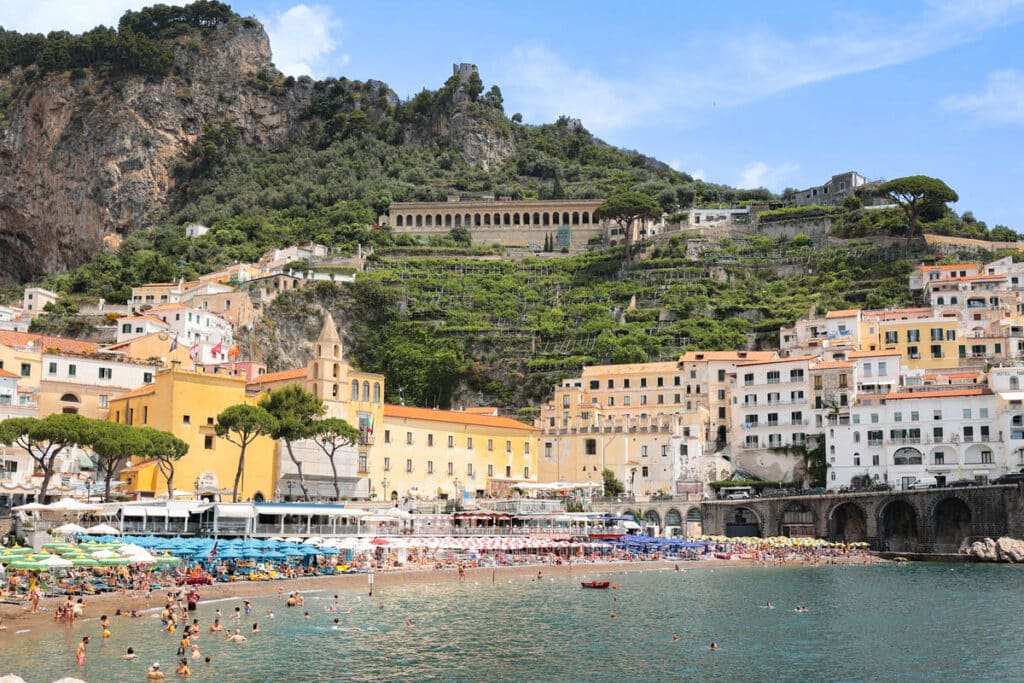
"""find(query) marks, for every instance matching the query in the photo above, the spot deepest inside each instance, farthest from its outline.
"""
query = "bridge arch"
(898, 526)
(847, 522)
(652, 518)
(951, 520)
(743, 521)
(673, 518)
(797, 519)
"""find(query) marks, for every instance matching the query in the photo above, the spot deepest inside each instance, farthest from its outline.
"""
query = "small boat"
(595, 584)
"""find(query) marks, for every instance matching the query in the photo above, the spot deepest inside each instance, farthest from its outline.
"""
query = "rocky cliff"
(86, 159)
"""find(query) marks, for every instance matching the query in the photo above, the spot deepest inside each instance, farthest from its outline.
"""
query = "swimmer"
(154, 673)
(216, 626)
(183, 669)
(675, 637)
(280, 594)
(236, 637)
(255, 628)
(409, 624)
(306, 615)
(714, 645)
(207, 660)
(769, 605)
(612, 615)
(348, 611)
(195, 652)
(80, 651)
(130, 654)
(248, 607)
(270, 614)
(677, 567)
(238, 614)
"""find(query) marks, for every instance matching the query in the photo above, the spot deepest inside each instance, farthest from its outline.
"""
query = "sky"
(751, 94)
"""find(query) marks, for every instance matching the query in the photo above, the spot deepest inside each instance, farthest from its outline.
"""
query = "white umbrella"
(103, 529)
(72, 505)
(143, 557)
(30, 507)
(56, 562)
(104, 555)
(69, 529)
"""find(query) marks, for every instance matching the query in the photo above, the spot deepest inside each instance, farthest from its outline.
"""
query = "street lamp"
(291, 485)
(632, 482)
(88, 490)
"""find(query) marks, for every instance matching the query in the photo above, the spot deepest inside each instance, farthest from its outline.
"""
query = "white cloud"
(1001, 101)
(301, 40)
(759, 174)
(752, 64)
(76, 16)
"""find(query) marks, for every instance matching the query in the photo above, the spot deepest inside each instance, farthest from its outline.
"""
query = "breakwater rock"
(1003, 550)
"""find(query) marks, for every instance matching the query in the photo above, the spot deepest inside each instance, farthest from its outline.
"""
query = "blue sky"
(727, 91)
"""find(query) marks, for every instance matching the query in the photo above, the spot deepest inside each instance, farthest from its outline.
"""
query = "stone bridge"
(932, 520)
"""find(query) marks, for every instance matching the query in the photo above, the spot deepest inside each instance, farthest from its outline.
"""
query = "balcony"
(365, 439)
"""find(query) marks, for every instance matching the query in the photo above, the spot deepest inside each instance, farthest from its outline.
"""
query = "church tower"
(327, 372)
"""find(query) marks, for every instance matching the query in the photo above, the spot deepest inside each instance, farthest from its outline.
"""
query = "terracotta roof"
(871, 354)
(776, 360)
(832, 365)
(44, 342)
(845, 313)
(144, 390)
(4, 373)
(954, 375)
(169, 307)
(938, 394)
(283, 375)
(701, 356)
(629, 368)
(412, 413)
(143, 316)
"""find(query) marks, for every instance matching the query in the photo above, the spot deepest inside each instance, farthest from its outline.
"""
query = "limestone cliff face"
(85, 160)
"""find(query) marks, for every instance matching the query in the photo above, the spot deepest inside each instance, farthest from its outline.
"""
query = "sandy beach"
(18, 618)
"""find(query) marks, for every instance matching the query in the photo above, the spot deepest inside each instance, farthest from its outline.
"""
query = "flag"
(213, 550)
(193, 351)
(235, 351)
(216, 348)
(174, 343)
(369, 425)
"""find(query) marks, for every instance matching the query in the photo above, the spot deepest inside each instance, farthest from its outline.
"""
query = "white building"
(14, 319)
(196, 230)
(36, 298)
(134, 326)
(192, 325)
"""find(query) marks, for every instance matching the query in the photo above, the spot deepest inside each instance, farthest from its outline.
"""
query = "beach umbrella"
(114, 561)
(69, 529)
(54, 562)
(83, 561)
(380, 541)
(103, 529)
(29, 564)
(167, 559)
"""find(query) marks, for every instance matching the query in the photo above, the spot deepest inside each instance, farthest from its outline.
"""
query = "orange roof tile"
(143, 316)
(702, 356)
(845, 313)
(44, 342)
(938, 394)
(283, 375)
(5, 373)
(144, 390)
(168, 307)
(832, 365)
(457, 417)
(776, 360)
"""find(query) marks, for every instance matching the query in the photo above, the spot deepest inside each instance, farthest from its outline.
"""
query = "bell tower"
(327, 372)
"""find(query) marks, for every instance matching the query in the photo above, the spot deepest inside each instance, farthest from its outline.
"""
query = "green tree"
(915, 194)
(625, 209)
(1001, 233)
(474, 86)
(167, 450)
(294, 410)
(113, 443)
(45, 439)
(612, 485)
(241, 424)
(331, 435)
(494, 99)
(460, 235)
(517, 118)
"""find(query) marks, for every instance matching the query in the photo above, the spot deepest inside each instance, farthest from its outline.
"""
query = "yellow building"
(187, 404)
(445, 453)
(924, 340)
(153, 346)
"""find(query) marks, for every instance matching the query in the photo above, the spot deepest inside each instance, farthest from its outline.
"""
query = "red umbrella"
(379, 541)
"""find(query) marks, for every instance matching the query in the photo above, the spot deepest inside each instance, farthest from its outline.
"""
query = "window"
(186, 419)
(986, 457)
(526, 448)
(661, 381)
(843, 381)
(469, 442)
(913, 335)
(677, 381)
(451, 468)
(595, 384)
(52, 368)
(490, 470)
(796, 375)
(362, 462)
(387, 436)
(408, 465)
(661, 399)
(874, 418)
(611, 384)
(983, 413)
(856, 460)
(106, 373)
(773, 377)
(914, 416)
(469, 469)
(937, 414)
(547, 449)
(748, 379)
(937, 434)
(126, 328)
(26, 369)
(940, 458)
(874, 460)
(643, 451)
(430, 440)
(451, 441)
(104, 401)
(818, 382)
(430, 467)
(625, 400)
(795, 396)
(897, 417)
(590, 446)
(147, 377)
(508, 446)
(490, 444)
(968, 434)
(664, 450)
(967, 413)
(643, 399)
(408, 438)
(985, 433)
(611, 401)
(387, 464)
(882, 368)
(625, 383)
(721, 375)
(208, 442)
(892, 337)
(796, 417)
(937, 334)
(72, 370)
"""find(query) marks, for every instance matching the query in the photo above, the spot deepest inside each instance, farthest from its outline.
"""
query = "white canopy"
(57, 562)
(72, 505)
(69, 529)
(102, 529)
(30, 507)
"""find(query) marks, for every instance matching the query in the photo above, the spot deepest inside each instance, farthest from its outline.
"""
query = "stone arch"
(526, 218)
(429, 221)
(575, 217)
(565, 218)
(487, 219)
(419, 221)
(847, 522)
(743, 521)
(506, 219)
(897, 526)
(585, 218)
(545, 218)
(951, 520)
(515, 219)
(398, 220)
(376, 392)
(355, 390)
(447, 220)
(497, 219)
(651, 517)
(477, 220)
(694, 515)
(907, 455)
(366, 391)
(334, 391)
(975, 454)
(408, 220)
(673, 518)
(336, 368)
(458, 220)
(438, 220)
(70, 398)
(536, 218)
(797, 519)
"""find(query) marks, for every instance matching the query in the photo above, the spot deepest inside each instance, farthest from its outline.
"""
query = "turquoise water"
(911, 623)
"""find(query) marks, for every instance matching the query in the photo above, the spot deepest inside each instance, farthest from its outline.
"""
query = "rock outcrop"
(84, 158)
(1003, 550)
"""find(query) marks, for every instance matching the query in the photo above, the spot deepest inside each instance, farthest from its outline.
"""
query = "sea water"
(916, 622)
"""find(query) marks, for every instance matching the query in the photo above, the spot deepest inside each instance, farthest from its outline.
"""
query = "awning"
(630, 525)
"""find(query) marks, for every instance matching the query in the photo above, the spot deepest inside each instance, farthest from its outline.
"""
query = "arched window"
(546, 219)
(319, 350)
(468, 220)
(585, 218)
(477, 220)
(487, 219)
(575, 217)
(437, 220)
(515, 219)
(458, 220)
(526, 219)
(430, 221)
(565, 218)
(316, 367)
(447, 220)
(1014, 382)
(376, 392)
(536, 218)
(334, 391)
(408, 220)
(366, 391)
(336, 371)
(355, 390)
(398, 221)
(419, 221)
(337, 350)
(507, 219)
(70, 398)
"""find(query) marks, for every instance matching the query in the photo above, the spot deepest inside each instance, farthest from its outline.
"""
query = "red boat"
(595, 584)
